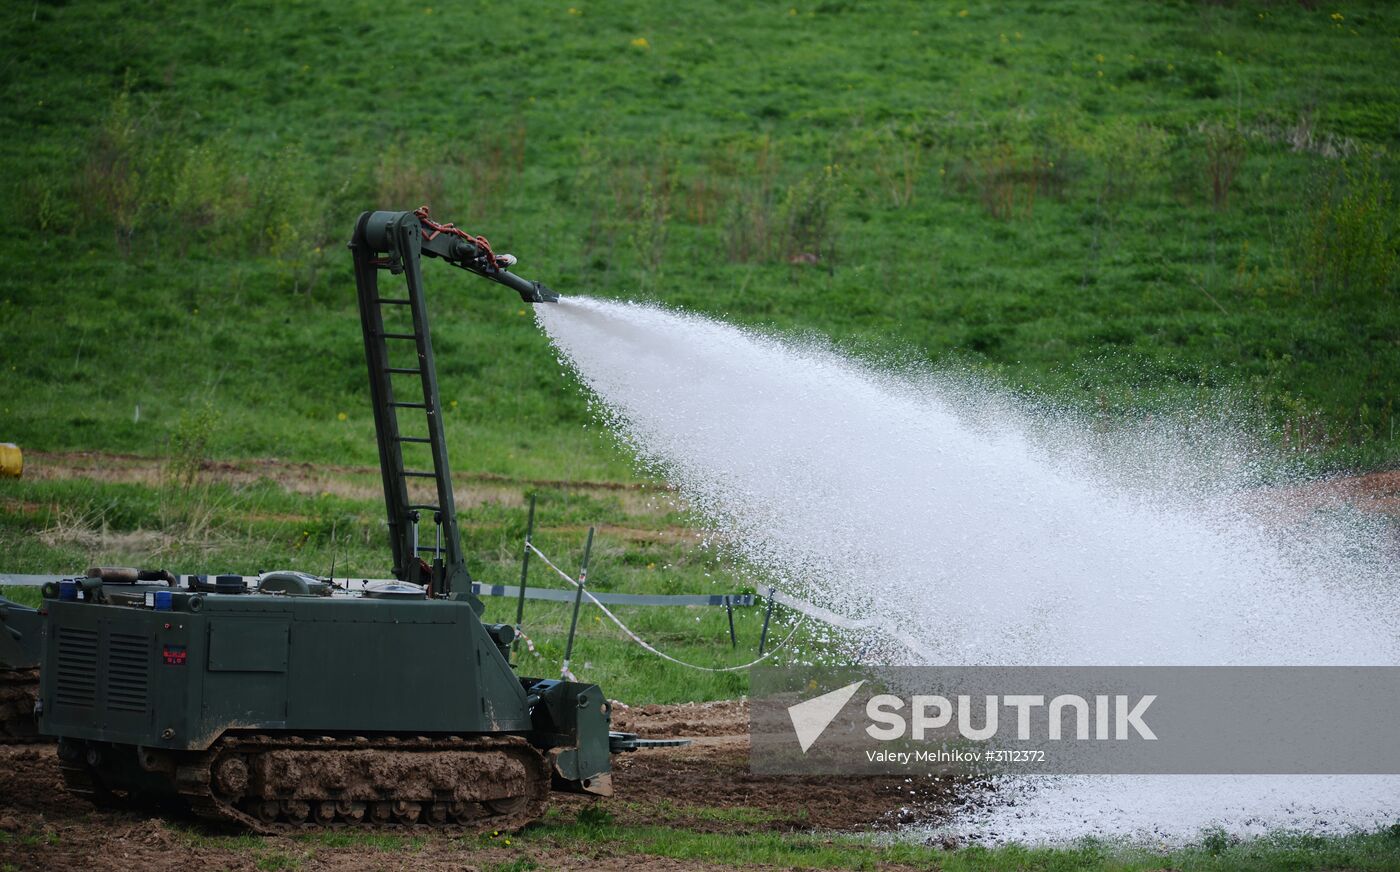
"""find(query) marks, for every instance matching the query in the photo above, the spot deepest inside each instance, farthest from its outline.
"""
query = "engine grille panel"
(76, 680)
(128, 671)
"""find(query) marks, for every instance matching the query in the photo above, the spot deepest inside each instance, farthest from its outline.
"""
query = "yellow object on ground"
(11, 460)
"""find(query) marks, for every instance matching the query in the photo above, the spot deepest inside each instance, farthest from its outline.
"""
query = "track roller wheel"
(354, 812)
(407, 812)
(266, 811)
(381, 812)
(231, 776)
(325, 812)
(296, 810)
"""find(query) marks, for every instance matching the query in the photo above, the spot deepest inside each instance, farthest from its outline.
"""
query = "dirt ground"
(312, 479)
(705, 787)
(1377, 492)
(713, 772)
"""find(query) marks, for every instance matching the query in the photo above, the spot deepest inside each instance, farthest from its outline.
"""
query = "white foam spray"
(999, 532)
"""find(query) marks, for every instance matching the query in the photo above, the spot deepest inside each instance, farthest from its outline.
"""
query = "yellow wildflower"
(962, 13)
(341, 416)
(641, 42)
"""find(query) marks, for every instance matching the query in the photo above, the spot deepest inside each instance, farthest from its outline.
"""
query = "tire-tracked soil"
(705, 787)
(695, 785)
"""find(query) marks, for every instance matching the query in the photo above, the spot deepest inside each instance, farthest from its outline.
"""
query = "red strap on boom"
(451, 229)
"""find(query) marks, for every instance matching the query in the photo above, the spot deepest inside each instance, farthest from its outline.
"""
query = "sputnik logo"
(811, 718)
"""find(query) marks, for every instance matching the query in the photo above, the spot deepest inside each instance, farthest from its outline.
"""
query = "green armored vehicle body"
(296, 702)
(287, 707)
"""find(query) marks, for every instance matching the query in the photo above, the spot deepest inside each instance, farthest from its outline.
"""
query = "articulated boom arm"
(396, 241)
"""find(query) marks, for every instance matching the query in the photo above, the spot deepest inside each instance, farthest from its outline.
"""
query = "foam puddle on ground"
(997, 532)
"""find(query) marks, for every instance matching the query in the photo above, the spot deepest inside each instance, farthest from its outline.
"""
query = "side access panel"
(246, 680)
(98, 674)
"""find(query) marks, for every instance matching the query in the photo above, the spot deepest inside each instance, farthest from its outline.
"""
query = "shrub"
(1224, 155)
(750, 217)
(288, 217)
(1128, 155)
(111, 179)
(1010, 182)
(898, 164)
(190, 444)
(650, 230)
(1347, 236)
(809, 231)
(140, 175)
(207, 195)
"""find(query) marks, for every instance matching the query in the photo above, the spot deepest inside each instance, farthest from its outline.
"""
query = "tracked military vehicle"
(21, 644)
(293, 702)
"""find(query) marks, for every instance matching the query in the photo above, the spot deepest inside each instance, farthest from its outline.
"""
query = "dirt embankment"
(705, 787)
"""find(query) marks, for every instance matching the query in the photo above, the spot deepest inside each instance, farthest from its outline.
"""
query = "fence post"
(767, 616)
(524, 575)
(578, 601)
(729, 607)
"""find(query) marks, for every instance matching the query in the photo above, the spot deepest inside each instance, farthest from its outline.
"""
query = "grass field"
(1113, 205)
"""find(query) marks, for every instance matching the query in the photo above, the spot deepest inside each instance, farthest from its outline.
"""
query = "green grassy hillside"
(1112, 203)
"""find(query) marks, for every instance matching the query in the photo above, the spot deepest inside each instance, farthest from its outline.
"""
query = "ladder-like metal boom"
(403, 377)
